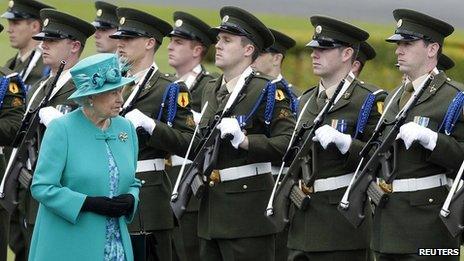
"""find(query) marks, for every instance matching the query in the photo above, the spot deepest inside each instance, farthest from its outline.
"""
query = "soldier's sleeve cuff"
(446, 152)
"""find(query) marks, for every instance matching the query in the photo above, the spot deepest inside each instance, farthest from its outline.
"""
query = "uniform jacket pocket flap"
(435, 196)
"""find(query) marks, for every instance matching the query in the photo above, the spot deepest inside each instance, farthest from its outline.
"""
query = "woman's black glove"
(128, 200)
(111, 207)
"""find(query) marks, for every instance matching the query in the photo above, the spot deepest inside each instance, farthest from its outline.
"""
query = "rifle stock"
(203, 163)
(352, 205)
(452, 212)
(288, 191)
(22, 146)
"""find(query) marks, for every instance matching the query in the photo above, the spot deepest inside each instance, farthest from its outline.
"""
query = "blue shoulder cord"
(293, 98)
(4, 83)
(453, 113)
(171, 94)
(364, 114)
(269, 91)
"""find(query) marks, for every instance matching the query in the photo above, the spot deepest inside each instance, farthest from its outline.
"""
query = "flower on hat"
(98, 79)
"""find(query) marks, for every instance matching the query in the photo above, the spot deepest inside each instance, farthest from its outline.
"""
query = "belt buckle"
(305, 189)
(168, 162)
(387, 188)
(214, 178)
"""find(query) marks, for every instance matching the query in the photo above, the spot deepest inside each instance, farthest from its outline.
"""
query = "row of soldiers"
(228, 222)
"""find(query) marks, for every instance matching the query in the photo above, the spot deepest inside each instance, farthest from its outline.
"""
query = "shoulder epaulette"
(457, 85)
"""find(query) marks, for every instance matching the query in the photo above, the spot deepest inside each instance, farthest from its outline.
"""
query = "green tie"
(407, 93)
(222, 94)
(321, 98)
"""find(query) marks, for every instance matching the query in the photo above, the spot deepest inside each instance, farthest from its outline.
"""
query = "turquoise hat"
(97, 74)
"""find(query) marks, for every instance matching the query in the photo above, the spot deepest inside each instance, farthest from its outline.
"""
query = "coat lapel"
(434, 86)
(150, 84)
(312, 106)
(345, 99)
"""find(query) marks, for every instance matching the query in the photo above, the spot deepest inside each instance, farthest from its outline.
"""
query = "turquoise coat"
(72, 164)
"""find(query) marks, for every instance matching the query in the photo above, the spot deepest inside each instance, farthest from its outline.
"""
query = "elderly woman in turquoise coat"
(85, 176)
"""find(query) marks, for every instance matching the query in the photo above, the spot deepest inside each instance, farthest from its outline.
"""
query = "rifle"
(452, 211)
(363, 183)
(175, 191)
(24, 152)
(141, 87)
(204, 161)
(279, 202)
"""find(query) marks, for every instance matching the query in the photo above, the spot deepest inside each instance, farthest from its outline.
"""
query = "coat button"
(211, 183)
(430, 200)
(245, 186)
(143, 182)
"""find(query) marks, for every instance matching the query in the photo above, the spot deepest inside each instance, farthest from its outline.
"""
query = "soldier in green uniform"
(190, 40)
(269, 62)
(63, 38)
(231, 221)
(366, 53)
(106, 23)
(23, 23)
(11, 114)
(429, 147)
(445, 63)
(163, 111)
(320, 232)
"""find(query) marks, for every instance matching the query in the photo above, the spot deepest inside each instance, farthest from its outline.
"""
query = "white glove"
(139, 119)
(231, 126)
(412, 131)
(326, 135)
(47, 114)
(196, 117)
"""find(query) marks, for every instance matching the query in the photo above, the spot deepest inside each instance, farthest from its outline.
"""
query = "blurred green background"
(297, 64)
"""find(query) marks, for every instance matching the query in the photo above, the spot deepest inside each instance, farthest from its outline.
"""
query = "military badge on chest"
(422, 121)
(339, 124)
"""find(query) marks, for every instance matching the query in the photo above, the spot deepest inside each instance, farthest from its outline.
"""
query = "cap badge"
(122, 20)
(178, 23)
(318, 29)
(45, 22)
(11, 4)
(99, 12)
(225, 19)
(399, 23)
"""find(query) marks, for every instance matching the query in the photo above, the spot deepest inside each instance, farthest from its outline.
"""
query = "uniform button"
(211, 183)
(143, 182)
(245, 186)
(430, 200)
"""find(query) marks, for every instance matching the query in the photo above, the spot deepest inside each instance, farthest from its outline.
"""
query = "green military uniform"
(281, 45)
(30, 68)
(186, 26)
(11, 114)
(171, 135)
(366, 53)
(445, 63)
(231, 222)
(55, 27)
(321, 232)
(107, 17)
(410, 219)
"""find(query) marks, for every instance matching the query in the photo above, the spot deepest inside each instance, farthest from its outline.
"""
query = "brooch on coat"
(123, 136)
